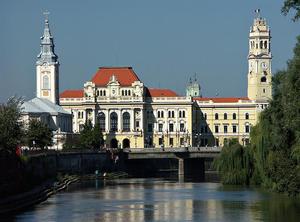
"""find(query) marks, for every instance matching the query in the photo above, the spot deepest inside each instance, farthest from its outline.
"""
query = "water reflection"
(159, 200)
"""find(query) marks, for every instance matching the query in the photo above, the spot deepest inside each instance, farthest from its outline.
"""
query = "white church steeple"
(47, 67)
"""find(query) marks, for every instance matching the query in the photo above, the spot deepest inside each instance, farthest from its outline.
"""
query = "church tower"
(193, 89)
(47, 68)
(259, 61)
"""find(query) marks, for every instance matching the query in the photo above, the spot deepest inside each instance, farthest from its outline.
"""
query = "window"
(113, 122)
(158, 114)
(171, 127)
(216, 129)
(160, 127)
(173, 114)
(183, 114)
(247, 128)
(261, 44)
(205, 116)
(216, 116)
(181, 127)
(246, 115)
(225, 129)
(101, 119)
(234, 116)
(234, 128)
(217, 142)
(169, 112)
(263, 79)
(160, 141)
(137, 124)
(179, 114)
(225, 115)
(150, 127)
(46, 83)
(162, 114)
(264, 90)
(266, 44)
(181, 141)
(171, 142)
(126, 122)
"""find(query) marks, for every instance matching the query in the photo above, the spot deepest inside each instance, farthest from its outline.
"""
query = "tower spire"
(47, 54)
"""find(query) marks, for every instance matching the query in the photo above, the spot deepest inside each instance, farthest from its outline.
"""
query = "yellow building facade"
(133, 115)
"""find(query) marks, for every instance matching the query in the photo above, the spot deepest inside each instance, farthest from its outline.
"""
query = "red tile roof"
(221, 99)
(78, 93)
(125, 76)
(160, 93)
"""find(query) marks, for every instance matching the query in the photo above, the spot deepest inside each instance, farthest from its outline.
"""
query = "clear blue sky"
(165, 41)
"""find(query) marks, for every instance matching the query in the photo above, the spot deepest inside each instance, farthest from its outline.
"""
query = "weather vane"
(46, 14)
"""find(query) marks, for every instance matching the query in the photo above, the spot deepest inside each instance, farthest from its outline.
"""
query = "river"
(133, 200)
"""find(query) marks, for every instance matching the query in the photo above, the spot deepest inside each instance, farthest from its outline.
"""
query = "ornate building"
(132, 115)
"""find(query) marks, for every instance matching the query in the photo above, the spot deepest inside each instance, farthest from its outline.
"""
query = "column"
(107, 117)
(181, 170)
(132, 120)
(119, 112)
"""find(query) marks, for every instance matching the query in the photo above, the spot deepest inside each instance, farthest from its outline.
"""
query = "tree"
(11, 127)
(235, 164)
(291, 4)
(38, 134)
(275, 140)
(91, 137)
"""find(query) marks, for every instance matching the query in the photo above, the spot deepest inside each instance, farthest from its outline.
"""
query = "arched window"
(169, 114)
(225, 115)
(266, 44)
(234, 116)
(263, 79)
(158, 114)
(179, 114)
(101, 119)
(113, 122)
(126, 122)
(173, 114)
(216, 116)
(183, 114)
(261, 44)
(129, 93)
(46, 83)
(246, 115)
(104, 93)
(162, 114)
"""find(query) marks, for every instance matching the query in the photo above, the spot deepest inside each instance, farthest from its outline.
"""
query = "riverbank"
(41, 193)
(37, 195)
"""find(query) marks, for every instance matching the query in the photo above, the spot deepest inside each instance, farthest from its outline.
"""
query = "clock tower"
(259, 61)
(47, 68)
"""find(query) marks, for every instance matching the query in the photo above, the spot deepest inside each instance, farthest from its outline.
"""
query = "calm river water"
(133, 200)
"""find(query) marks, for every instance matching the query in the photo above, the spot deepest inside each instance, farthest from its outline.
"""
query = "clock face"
(264, 65)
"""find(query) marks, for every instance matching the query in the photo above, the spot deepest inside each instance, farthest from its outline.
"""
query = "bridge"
(190, 159)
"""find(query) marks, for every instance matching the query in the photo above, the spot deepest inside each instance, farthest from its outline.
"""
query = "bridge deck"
(174, 152)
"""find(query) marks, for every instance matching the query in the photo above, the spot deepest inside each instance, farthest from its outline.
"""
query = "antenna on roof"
(195, 76)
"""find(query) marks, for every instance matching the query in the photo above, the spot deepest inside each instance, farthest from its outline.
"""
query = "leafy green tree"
(91, 137)
(38, 134)
(276, 139)
(235, 163)
(11, 127)
(289, 5)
